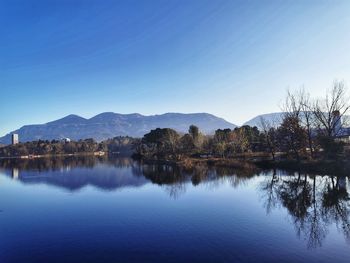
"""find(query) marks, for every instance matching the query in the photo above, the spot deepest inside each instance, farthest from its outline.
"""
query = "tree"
(269, 136)
(197, 136)
(299, 106)
(159, 142)
(330, 110)
(187, 144)
(292, 136)
(249, 138)
(331, 148)
(240, 140)
(307, 118)
(194, 132)
(219, 148)
(292, 106)
(222, 135)
(221, 140)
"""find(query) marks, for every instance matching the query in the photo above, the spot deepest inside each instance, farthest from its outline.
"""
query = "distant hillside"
(274, 119)
(107, 125)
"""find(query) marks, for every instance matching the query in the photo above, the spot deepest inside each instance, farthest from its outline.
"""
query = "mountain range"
(107, 125)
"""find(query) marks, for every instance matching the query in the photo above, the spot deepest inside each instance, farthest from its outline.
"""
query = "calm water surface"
(118, 210)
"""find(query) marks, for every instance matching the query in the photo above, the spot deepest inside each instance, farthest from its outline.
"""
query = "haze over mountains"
(107, 125)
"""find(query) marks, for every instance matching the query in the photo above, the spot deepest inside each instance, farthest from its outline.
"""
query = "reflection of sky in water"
(129, 212)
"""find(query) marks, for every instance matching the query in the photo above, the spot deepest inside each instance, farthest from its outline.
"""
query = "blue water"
(119, 210)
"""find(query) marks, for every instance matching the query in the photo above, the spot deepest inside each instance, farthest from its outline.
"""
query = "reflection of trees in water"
(214, 176)
(70, 173)
(168, 176)
(295, 195)
(163, 174)
(61, 171)
(64, 162)
(336, 205)
(175, 190)
(313, 202)
(306, 216)
(175, 178)
(270, 192)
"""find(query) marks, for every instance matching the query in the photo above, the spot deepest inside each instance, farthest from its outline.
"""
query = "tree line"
(309, 129)
(119, 144)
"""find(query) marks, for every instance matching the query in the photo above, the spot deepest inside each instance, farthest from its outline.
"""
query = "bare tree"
(270, 134)
(298, 105)
(292, 132)
(330, 110)
(307, 117)
(292, 106)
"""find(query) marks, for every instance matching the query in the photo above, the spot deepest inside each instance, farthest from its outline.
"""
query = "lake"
(85, 209)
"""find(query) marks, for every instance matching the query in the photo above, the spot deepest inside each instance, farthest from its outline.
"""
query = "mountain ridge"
(109, 124)
(274, 119)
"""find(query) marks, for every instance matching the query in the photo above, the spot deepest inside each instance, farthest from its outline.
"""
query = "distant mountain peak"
(109, 124)
(69, 118)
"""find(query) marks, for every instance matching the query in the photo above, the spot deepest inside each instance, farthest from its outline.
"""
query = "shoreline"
(38, 156)
(322, 167)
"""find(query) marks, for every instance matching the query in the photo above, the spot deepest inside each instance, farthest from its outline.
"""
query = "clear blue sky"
(234, 59)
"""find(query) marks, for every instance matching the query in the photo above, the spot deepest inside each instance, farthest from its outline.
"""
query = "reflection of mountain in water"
(68, 162)
(102, 176)
(313, 203)
(76, 173)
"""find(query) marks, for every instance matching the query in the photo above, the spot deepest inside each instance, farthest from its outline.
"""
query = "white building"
(15, 138)
(66, 140)
(341, 133)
